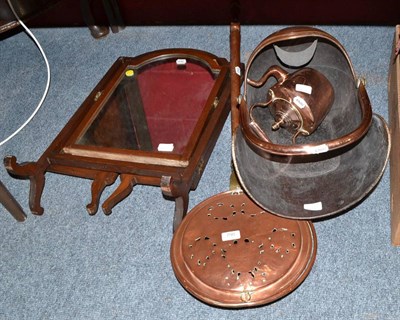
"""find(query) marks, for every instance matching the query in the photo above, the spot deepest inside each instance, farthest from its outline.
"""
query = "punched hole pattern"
(233, 213)
(277, 249)
(258, 273)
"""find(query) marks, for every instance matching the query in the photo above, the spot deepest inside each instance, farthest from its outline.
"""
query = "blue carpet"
(69, 265)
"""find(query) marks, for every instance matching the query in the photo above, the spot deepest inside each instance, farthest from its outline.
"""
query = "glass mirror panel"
(153, 108)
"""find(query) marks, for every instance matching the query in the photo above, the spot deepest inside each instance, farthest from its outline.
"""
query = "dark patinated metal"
(229, 252)
(331, 169)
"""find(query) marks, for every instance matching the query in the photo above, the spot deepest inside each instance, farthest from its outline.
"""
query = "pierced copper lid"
(229, 252)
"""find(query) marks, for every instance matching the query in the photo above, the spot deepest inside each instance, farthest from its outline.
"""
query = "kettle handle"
(274, 71)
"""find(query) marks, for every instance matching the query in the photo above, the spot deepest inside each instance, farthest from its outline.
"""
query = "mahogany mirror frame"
(176, 174)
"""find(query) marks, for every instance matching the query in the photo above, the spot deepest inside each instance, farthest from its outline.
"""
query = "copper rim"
(231, 253)
(319, 188)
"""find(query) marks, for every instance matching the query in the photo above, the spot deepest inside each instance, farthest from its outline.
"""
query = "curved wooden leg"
(128, 181)
(102, 180)
(35, 193)
(181, 207)
(23, 171)
(35, 172)
(180, 192)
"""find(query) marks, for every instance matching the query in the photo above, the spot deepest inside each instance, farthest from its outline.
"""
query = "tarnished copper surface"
(231, 253)
(299, 101)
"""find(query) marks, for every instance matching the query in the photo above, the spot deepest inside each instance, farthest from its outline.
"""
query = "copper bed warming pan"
(229, 252)
(319, 172)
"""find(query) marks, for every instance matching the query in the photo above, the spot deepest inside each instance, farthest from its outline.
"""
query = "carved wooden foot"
(34, 171)
(35, 193)
(180, 193)
(128, 181)
(102, 180)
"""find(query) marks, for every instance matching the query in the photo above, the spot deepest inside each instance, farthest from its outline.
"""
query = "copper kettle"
(299, 101)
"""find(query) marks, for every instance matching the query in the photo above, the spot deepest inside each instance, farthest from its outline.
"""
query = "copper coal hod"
(332, 168)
